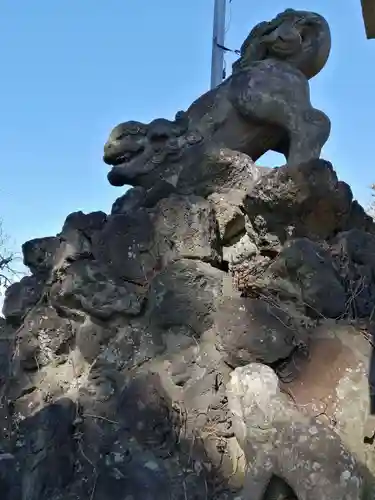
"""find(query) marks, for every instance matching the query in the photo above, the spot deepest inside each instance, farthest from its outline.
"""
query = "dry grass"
(197, 436)
(371, 208)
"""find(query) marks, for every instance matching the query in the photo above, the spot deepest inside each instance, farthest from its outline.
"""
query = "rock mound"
(218, 317)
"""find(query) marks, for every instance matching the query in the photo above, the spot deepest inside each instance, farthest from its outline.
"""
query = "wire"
(226, 49)
(229, 17)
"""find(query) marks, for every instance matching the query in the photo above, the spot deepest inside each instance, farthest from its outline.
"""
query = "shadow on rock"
(130, 445)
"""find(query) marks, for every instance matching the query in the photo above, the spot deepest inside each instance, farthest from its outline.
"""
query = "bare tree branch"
(8, 272)
(371, 208)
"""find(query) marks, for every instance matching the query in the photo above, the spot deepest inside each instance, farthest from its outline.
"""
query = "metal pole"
(368, 14)
(217, 64)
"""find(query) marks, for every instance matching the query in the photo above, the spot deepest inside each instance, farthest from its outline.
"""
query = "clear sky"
(72, 69)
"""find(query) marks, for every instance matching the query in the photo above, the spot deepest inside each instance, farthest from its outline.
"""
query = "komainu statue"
(264, 105)
(277, 439)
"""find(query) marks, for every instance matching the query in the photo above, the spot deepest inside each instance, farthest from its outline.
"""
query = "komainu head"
(300, 38)
(135, 149)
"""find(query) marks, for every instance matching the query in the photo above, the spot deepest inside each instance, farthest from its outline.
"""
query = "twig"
(99, 417)
(94, 487)
(93, 467)
(184, 486)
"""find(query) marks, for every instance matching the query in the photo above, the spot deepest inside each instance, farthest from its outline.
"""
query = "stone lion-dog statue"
(277, 439)
(264, 105)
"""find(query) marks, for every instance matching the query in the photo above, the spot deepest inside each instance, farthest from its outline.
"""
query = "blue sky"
(72, 69)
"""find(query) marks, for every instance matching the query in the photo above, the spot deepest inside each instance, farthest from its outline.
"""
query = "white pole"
(217, 64)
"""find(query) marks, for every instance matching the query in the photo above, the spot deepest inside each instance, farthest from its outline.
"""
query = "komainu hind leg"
(257, 479)
(277, 98)
(308, 133)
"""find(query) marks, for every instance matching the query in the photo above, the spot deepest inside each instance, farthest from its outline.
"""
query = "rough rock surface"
(278, 440)
(124, 352)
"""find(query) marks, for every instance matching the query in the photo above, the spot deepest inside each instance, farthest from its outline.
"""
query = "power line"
(229, 17)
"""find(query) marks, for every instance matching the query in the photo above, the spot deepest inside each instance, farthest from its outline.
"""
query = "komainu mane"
(264, 105)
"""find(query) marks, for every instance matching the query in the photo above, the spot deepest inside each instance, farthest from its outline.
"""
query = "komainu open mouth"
(126, 157)
(121, 158)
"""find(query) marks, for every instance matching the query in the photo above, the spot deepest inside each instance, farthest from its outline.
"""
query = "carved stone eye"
(173, 145)
(193, 138)
(136, 129)
(121, 136)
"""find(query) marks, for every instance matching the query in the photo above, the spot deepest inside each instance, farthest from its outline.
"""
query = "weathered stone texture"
(210, 338)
